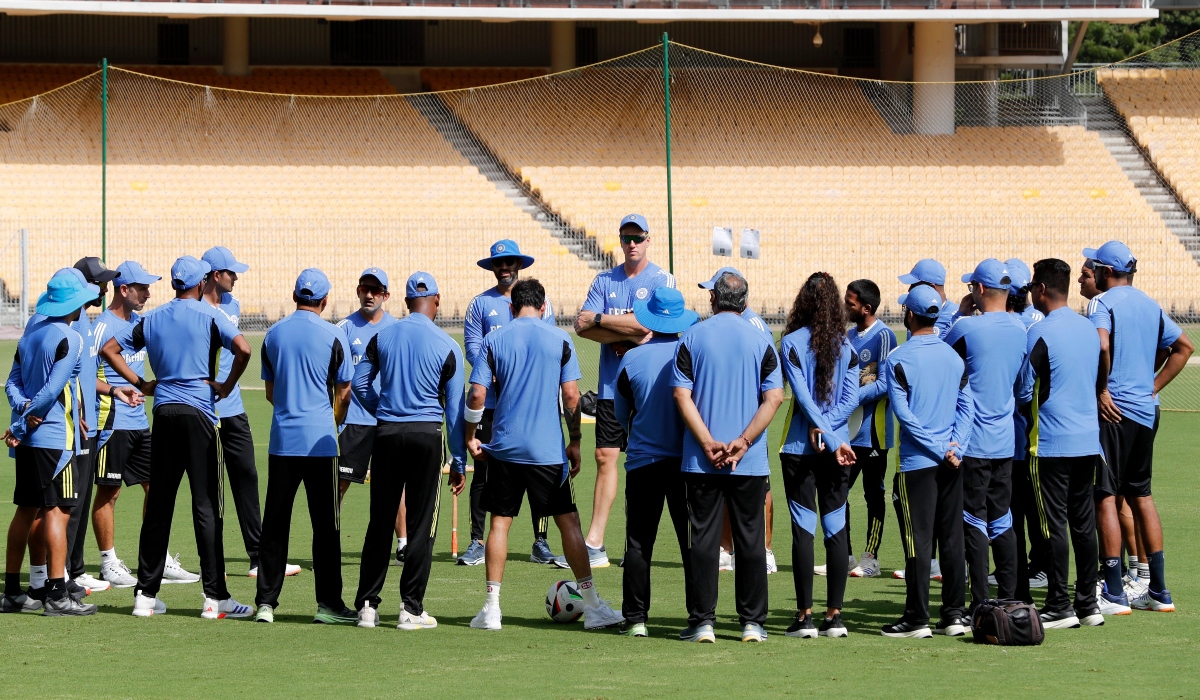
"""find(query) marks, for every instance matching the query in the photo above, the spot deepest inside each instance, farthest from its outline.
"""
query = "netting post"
(666, 43)
(24, 316)
(103, 165)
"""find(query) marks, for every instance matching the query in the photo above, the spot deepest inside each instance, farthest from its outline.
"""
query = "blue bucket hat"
(1114, 254)
(929, 271)
(379, 275)
(312, 285)
(1019, 276)
(713, 282)
(506, 248)
(664, 312)
(187, 272)
(991, 273)
(130, 272)
(65, 292)
(417, 279)
(221, 258)
(922, 301)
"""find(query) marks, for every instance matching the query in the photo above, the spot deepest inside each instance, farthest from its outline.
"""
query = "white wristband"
(473, 415)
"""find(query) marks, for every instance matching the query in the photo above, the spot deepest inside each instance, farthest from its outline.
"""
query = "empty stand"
(438, 79)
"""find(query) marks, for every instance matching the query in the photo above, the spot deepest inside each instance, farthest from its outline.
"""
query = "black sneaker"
(77, 591)
(833, 627)
(953, 627)
(802, 627)
(904, 629)
(38, 594)
(67, 606)
(399, 560)
(1090, 618)
(1062, 619)
(19, 603)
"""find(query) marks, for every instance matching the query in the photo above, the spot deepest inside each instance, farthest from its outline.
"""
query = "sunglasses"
(633, 240)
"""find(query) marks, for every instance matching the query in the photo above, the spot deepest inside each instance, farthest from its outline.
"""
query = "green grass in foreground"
(179, 655)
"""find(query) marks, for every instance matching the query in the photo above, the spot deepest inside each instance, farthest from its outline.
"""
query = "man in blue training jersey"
(529, 364)
(1133, 331)
(307, 370)
(993, 346)
(607, 318)
(872, 341)
(486, 313)
(420, 371)
(45, 438)
(930, 397)
(356, 437)
(645, 405)
(182, 339)
(1057, 380)
(931, 273)
(728, 386)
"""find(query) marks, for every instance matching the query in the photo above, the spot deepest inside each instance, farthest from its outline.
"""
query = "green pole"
(104, 160)
(666, 43)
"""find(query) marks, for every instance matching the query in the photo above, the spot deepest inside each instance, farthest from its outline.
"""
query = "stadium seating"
(20, 82)
(438, 79)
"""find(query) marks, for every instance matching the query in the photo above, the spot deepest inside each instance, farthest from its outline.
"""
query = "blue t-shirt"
(359, 331)
(89, 399)
(306, 357)
(44, 382)
(993, 346)
(728, 365)
(644, 403)
(759, 324)
(231, 405)
(1058, 380)
(486, 313)
(830, 416)
(613, 294)
(872, 347)
(115, 414)
(1138, 328)
(182, 339)
(930, 397)
(526, 362)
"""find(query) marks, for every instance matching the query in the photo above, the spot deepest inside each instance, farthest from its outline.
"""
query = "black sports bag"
(1007, 623)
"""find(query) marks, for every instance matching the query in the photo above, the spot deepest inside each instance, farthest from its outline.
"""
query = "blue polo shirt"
(526, 362)
(359, 332)
(306, 357)
(44, 382)
(486, 313)
(728, 365)
(231, 405)
(1059, 381)
(993, 346)
(1138, 328)
(828, 415)
(872, 347)
(182, 339)
(115, 414)
(931, 399)
(645, 403)
(612, 294)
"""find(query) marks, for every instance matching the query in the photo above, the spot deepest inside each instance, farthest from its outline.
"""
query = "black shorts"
(609, 433)
(37, 486)
(355, 444)
(549, 493)
(1127, 462)
(125, 457)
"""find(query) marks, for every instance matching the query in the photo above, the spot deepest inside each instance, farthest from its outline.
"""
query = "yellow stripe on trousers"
(1034, 467)
(910, 545)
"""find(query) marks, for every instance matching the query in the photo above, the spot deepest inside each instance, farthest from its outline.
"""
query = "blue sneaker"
(598, 556)
(1111, 604)
(473, 556)
(1157, 601)
(699, 633)
(541, 554)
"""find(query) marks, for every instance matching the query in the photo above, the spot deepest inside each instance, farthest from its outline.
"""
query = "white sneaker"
(408, 621)
(601, 616)
(92, 583)
(772, 567)
(288, 570)
(823, 570)
(1109, 607)
(368, 617)
(219, 609)
(868, 567)
(935, 571)
(1134, 587)
(173, 572)
(117, 574)
(487, 619)
(146, 606)
(725, 561)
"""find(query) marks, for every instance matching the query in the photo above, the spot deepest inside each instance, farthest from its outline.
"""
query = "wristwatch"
(597, 321)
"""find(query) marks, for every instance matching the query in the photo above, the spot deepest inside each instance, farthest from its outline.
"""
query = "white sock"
(401, 543)
(590, 598)
(493, 593)
(37, 576)
(108, 556)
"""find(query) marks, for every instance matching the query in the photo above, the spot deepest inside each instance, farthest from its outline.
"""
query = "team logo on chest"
(864, 355)
(642, 293)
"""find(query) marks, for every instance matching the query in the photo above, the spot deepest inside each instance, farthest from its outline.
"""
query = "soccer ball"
(563, 602)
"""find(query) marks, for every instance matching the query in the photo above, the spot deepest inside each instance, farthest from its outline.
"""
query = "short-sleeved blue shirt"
(115, 414)
(231, 405)
(1059, 381)
(759, 324)
(645, 403)
(613, 294)
(993, 346)
(486, 313)
(359, 332)
(88, 359)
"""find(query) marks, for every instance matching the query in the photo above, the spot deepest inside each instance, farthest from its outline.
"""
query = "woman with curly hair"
(822, 369)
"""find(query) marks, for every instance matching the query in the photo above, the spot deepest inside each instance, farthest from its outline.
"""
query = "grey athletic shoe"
(598, 556)
(699, 633)
(541, 554)
(19, 603)
(67, 606)
(473, 556)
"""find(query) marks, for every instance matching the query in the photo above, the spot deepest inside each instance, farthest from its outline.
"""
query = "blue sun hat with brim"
(65, 292)
(664, 312)
(506, 248)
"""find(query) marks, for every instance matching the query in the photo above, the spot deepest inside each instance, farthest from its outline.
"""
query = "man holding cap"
(307, 370)
(645, 406)
(931, 273)
(930, 397)
(45, 438)
(607, 318)
(486, 313)
(180, 338)
(1133, 330)
(420, 370)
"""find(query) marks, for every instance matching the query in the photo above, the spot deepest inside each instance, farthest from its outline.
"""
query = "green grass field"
(113, 654)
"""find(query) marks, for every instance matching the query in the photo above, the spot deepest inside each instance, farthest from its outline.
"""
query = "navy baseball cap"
(637, 220)
(94, 271)
(713, 282)
(187, 272)
(221, 258)
(1019, 276)
(312, 285)
(379, 275)
(506, 248)
(991, 273)
(130, 272)
(415, 280)
(929, 271)
(664, 312)
(922, 301)
(1114, 254)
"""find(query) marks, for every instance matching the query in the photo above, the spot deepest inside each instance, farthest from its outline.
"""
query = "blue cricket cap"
(713, 282)
(664, 312)
(221, 258)
(506, 248)
(130, 272)
(991, 273)
(187, 272)
(1019, 276)
(417, 279)
(929, 271)
(312, 285)
(636, 220)
(379, 275)
(922, 301)
(66, 291)
(1114, 254)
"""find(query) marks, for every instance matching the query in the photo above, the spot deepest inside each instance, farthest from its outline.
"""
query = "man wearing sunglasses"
(607, 318)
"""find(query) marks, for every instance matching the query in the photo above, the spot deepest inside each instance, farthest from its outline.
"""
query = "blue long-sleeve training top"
(44, 383)
(829, 416)
(930, 397)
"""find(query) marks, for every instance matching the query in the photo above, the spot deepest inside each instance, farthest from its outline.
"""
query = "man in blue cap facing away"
(1134, 334)
(181, 338)
(930, 272)
(487, 312)
(307, 370)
